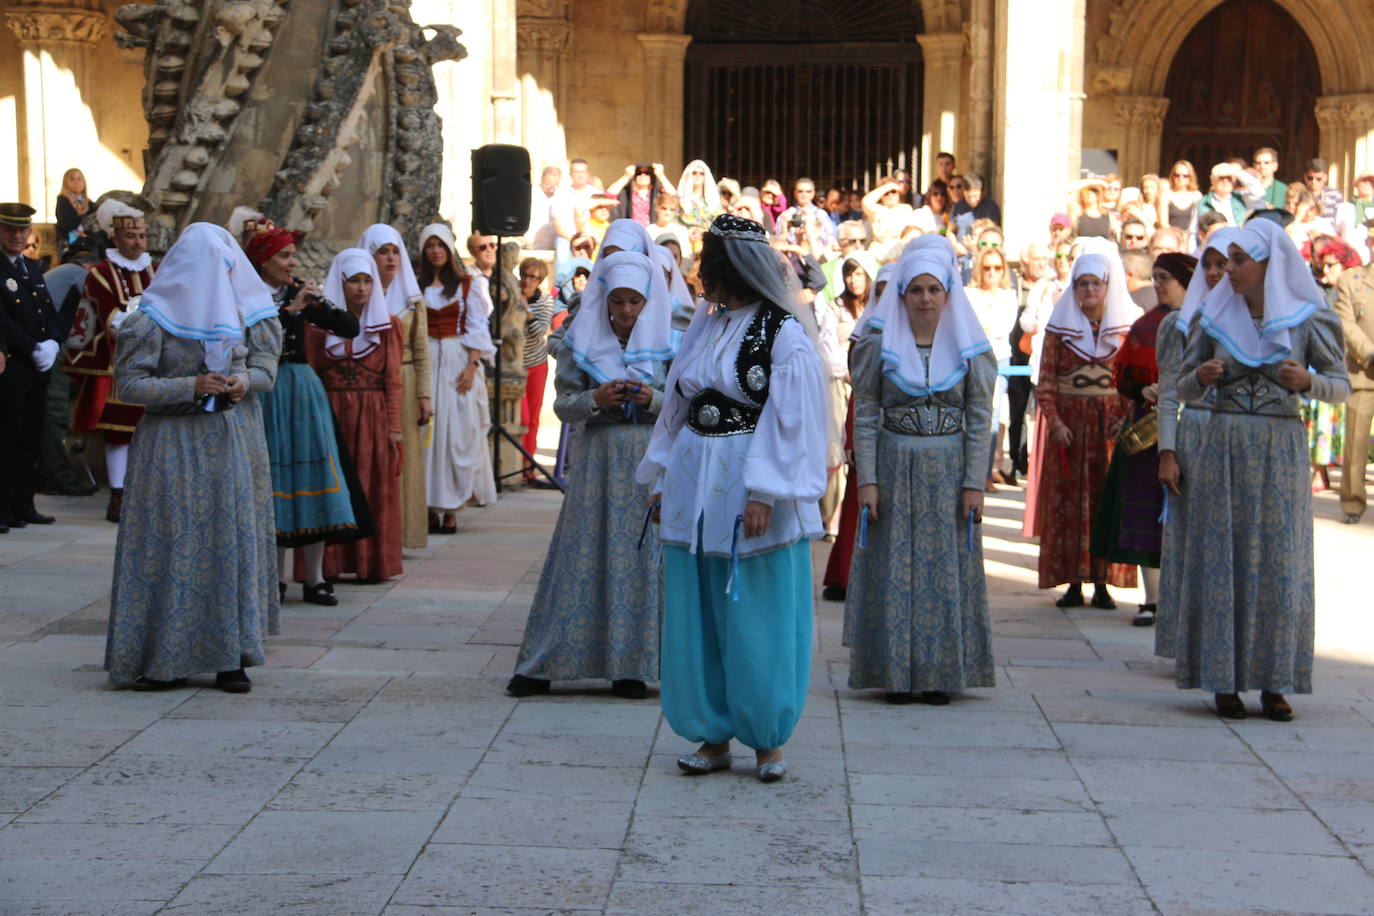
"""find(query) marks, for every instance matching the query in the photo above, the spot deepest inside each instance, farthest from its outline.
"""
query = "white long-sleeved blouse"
(708, 479)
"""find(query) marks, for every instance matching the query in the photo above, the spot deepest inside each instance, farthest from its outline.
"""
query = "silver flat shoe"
(699, 764)
(771, 771)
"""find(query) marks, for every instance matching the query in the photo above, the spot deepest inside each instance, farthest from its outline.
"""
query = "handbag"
(1143, 433)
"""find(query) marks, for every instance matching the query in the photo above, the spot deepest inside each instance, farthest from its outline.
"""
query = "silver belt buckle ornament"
(709, 416)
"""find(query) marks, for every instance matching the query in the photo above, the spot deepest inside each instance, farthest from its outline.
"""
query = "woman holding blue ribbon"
(596, 612)
(916, 612)
(1246, 605)
(738, 462)
(195, 564)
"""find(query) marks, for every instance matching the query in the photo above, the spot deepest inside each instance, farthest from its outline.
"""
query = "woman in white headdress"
(1180, 428)
(916, 611)
(404, 301)
(683, 302)
(698, 196)
(195, 568)
(596, 612)
(1246, 605)
(1079, 417)
(362, 377)
(457, 460)
(738, 462)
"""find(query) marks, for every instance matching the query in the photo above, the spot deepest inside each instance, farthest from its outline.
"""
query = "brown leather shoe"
(116, 504)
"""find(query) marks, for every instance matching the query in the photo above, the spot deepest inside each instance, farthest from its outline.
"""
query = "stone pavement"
(377, 766)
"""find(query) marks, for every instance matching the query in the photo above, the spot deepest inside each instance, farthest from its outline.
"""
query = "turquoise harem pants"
(736, 669)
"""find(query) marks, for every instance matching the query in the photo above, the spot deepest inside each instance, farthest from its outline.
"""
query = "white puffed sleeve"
(477, 321)
(786, 458)
(672, 415)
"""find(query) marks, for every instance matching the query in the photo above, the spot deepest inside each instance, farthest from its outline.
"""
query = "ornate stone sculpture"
(317, 112)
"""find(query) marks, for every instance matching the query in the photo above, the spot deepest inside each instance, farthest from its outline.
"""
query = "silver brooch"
(708, 416)
(756, 378)
(11, 285)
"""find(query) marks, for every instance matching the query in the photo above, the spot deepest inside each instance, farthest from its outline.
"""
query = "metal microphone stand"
(498, 430)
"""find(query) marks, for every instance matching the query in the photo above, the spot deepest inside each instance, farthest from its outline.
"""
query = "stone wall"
(605, 118)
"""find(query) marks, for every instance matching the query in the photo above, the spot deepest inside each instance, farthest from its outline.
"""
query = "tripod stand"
(498, 430)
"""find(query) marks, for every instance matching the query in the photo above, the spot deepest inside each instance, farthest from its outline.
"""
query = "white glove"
(45, 354)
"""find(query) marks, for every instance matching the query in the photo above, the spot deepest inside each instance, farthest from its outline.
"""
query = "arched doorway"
(1245, 77)
(829, 89)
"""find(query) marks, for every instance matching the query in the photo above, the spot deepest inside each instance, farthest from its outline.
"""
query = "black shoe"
(1071, 598)
(233, 681)
(281, 590)
(629, 689)
(433, 525)
(13, 521)
(116, 505)
(34, 517)
(934, 698)
(1145, 617)
(1102, 598)
(448, 529)
(146, 684)
(900, 699)
(1229, 706)
(1351, 518)
(521, 686)
(833, 593)
(4, 528)
(69, 488)
(318, 594)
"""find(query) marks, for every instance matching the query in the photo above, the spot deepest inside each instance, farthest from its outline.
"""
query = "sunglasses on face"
(1061, 257)
(487, 246)
(989, 244)
(997, 267)
(956, 187)
(527, 278)
(1183, 175)
(1134, 238)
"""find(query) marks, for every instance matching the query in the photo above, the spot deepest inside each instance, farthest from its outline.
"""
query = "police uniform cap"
(20, 216)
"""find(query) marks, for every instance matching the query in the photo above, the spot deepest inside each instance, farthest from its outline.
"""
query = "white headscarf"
(684, 303)
(444, 234)
(933, 245)
(207, 290)
(404, 291)
(1068, 321)
(374, 318)
(591, 339)
(958, 338)
(627, 235)
(711, 191)
(1291, 295)
(1198, 289)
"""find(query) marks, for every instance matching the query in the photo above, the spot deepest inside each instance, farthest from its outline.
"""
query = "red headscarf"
(265, 244)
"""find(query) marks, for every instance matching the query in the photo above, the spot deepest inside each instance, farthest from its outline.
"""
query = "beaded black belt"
(711, 413)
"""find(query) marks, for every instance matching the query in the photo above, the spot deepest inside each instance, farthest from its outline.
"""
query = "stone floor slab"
(232, 738)
(559, 823)
(509, 876)
(285, 895)
(1253, 880)
(979, 825)
(942, 896)
(1220, 829)
(1153, 742)
(1175, 782)
(326, 843)
(635, 898)
(959, 792)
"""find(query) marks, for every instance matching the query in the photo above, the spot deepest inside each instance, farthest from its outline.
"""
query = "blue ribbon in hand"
(863, 527)
(732, 583)
(1164, 512)
(968, 532)
(644, 531)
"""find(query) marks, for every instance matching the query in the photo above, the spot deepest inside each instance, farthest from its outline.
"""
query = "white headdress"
(374, 318)
(710, 191)
(1291, 295)
(958, 337)
(404, 291)
(627, 235)
(207, 288)
(1099, 259)
(1197, 286)
(593, 342)
(684, 303)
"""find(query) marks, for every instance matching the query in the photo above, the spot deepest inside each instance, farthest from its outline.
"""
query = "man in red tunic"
(125, 273)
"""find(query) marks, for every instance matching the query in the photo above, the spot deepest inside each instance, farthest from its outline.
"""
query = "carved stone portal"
(320, 113)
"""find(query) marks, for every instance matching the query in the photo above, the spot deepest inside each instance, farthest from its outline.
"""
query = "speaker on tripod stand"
(501, 207)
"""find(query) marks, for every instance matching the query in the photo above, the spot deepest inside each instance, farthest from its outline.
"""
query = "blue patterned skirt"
(916, 612)
(597, 610)
(310, 492)
(1241, 596)
(195, 567)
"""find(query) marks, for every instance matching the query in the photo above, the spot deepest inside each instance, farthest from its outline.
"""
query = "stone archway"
(1133, 57)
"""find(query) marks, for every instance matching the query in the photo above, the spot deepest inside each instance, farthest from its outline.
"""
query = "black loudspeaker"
(501, 190)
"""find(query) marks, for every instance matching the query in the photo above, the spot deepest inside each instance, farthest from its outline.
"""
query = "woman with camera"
(596, 613)
(362, 377)
(193, 585)
(316, 495)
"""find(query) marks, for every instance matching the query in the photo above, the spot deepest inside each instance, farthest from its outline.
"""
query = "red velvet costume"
(108, 289)
(366, 396)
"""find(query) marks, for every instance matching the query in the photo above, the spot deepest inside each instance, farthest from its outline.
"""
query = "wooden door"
(1245, 77)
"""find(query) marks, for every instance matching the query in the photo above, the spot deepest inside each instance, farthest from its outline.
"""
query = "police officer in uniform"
(29, 332)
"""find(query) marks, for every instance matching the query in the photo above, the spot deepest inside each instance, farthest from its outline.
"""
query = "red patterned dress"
(108, 289)
(1079, 394)
(366, 396)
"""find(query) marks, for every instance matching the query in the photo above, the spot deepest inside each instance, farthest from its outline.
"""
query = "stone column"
(1039, 115)
(1142, 123)
(57, 127)
(982, 72)
(943, 55)
(664, 56)
(505, 83)
(543, 47)
(1347, 135)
